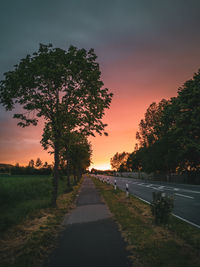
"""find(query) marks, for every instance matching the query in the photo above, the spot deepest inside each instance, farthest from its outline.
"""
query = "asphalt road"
(186, 197)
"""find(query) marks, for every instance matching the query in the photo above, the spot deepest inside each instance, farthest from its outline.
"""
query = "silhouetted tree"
(31, 163)
(45, 165)
(77, 153)
(149, 127)
(118, 159)
(64, 88)
(134, 160)
(181, 122)
(169, 134)
(38, 163)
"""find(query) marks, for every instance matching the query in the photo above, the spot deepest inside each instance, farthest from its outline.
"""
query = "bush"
(18, 170)
(161, 207)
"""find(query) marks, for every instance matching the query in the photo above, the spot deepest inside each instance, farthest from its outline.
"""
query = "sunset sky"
(146, 50)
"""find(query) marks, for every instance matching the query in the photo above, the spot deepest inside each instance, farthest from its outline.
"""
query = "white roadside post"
(115, 186)
(127, 193)
(107, 180)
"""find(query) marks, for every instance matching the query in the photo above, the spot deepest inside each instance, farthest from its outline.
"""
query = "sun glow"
(103, 166)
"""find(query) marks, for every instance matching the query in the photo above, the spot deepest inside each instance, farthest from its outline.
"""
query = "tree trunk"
(56, 127)
(55, 174)
(68, 173)
(79, 175)
(75, 176)
(68, 179)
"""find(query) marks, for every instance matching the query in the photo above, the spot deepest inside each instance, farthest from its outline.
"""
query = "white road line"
(183, 195)
(182, 219)
(161, 187)
(156, 188)
(148, 185)
(194, 224)
(144, 200)
(190, 191)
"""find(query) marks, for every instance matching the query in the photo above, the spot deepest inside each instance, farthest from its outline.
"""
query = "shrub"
(161, 207)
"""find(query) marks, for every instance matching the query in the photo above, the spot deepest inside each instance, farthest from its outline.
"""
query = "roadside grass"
(27, 244)
(21, 195)
(177, 244)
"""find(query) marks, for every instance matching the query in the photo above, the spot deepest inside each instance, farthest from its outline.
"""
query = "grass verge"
(177, 244)
(28, 243)
(21, 195)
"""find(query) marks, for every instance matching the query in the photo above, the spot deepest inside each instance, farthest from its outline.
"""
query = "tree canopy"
(168, 139)
(169, 135)
(62, 87)
(77, 152)
(118, 159)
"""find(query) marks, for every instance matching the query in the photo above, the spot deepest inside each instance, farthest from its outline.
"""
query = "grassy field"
(22, 195)
(177, 244)
(30, 240)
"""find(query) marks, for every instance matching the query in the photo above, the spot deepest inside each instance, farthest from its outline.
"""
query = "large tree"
(181, 121)
(149, 127)
(62, 87)
(170, 132)
(38, 163)
(31, 163)
(78, 154)
(118, 159)
(154, 141)
(75, 154)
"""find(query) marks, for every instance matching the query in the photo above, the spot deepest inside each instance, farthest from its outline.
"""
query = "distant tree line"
(119, 160)
(74, 160)
(168, 139)
(75, 156)
(33, 168)
(103, 172)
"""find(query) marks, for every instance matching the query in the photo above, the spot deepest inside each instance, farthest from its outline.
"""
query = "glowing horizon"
(145, 52)
(122, 118)
(100, 166)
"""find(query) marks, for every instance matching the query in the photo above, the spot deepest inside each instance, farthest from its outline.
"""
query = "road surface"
(186, 197)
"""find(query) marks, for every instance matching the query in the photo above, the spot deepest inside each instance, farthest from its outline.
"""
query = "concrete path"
(91, 237)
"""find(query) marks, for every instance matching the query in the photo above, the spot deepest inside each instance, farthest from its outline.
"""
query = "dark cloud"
(148, 34)
(24, 24)
(142, 45)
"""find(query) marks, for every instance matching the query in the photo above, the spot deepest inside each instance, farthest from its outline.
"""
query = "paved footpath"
(91, 237)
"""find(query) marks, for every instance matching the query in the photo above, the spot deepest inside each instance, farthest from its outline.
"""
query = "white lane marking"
(194, 224)
(183, 195)
(156, 188)
(190, 191)
(144, 200)
(148, 185)
(182, 219)
(151, 186)
(161, 187)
